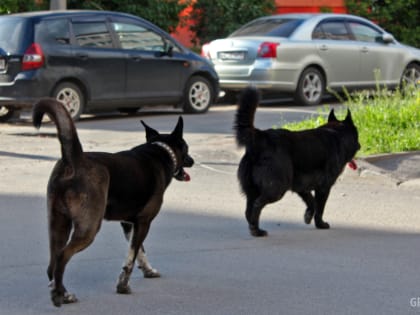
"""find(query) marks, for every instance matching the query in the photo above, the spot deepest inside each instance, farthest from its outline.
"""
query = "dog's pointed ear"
(179, 128)
(150, 132)
(348, 119)
(331, 116)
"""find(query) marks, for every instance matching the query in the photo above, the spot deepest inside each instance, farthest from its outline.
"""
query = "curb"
(403, 169)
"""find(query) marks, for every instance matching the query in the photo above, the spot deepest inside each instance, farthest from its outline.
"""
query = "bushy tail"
(244, 120)
(71, 149)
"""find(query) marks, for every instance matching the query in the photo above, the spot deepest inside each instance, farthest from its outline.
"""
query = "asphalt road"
(367, 263)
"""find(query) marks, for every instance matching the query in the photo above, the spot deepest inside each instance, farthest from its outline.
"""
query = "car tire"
(72, 98)
(411, 76)
(198, 95)
(311, 87)
(6, 113)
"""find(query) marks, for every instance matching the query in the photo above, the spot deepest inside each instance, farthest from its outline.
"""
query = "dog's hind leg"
(143, 263)
(81, 238)
(254, 207)
(309, 200)
(321, 197)
(59, 231)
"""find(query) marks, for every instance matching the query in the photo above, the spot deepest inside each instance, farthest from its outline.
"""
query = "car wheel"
(198, 95)
(310, 88)
(72, 98)
(411, 76)
(6, 113)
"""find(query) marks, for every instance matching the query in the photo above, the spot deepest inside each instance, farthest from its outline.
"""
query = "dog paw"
(57, 297)
(123, 289)
(322, 225)
(257, 232)
(69, 298)
(307, 218)
(150, 273)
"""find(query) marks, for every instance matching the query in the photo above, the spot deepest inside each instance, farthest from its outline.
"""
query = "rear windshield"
(11, 34)
(269, 27)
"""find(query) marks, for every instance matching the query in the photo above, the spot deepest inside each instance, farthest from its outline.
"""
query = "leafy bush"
(218, 18)
(165, 13)
(162, 13)
(399, 17)
(13, 6)
(387, 123)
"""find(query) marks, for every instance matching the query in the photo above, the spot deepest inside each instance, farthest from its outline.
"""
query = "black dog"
(86, 187)
(276, 161)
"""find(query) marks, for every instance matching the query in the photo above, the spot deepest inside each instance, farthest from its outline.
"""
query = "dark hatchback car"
(98, 61)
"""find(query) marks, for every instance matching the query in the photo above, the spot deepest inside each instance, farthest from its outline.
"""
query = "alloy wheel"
(312, 87)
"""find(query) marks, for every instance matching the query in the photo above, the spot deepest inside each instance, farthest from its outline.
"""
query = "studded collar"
(171, 153)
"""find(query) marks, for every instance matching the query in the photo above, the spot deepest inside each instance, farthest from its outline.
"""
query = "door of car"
(340, 56)
(97, 60)
(380, 62)
(154, 64)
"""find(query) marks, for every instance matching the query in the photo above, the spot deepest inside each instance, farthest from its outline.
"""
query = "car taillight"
(205, 51)
(33, 57)
(268, 50)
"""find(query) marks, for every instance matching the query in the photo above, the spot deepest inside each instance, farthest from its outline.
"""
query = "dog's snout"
(188, 161)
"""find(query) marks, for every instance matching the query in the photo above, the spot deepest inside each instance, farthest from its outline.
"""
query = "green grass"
(387, 122)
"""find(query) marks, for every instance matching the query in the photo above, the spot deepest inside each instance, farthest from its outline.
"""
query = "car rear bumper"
(273, 79)
(11, 93)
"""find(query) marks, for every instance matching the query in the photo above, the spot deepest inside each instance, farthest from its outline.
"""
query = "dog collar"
(170, 152)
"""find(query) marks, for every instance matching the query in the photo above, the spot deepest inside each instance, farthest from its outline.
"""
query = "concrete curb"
(403, 169)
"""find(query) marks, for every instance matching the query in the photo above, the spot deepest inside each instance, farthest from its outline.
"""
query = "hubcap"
(411, 77)
(312, 87)
(70, 99)
(199, 95)
(4, 111)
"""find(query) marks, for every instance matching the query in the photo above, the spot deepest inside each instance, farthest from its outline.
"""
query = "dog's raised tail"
(71, 149)
(244, 120)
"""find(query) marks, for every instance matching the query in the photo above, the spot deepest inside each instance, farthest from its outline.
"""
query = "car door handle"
(136, 58)
(323, 47)
(364, 49)
(82, 56)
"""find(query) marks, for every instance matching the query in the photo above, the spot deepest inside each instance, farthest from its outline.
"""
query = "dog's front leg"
(144, 265)
(142, 261)
(139, 233)
(309, 200)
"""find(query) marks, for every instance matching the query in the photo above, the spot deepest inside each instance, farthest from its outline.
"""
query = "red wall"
(288, 6)
(183, 34)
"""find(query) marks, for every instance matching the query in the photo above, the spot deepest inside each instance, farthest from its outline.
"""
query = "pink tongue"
(352, 164)
(187, 177)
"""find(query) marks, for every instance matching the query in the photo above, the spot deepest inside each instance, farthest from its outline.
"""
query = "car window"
(11, 33)
(92, 34)
(269, 27)
(133, 36)
(53, 31)
(334, 30)
(365, 33)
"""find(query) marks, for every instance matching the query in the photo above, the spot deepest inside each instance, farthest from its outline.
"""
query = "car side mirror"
(167, 50)
(387, 38)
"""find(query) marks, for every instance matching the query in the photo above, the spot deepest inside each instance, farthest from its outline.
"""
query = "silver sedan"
(307, 54)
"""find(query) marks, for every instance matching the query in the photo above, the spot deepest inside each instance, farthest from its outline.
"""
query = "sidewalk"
(401, 168)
